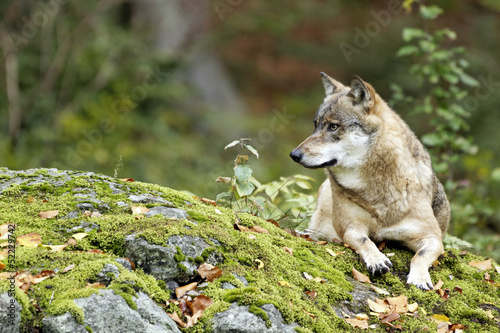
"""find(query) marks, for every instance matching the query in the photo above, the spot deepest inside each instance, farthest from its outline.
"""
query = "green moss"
(199, 260)
(88, 329)
(260, 313)
(125, 291)
(179, 256)
(197, 216)
(12, 190)
(182, 268)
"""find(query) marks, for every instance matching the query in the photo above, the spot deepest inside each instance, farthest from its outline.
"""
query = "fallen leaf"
(401, 303)
(389, 254)
(6, 275)
(127, 179)
(175, 317)
(71, 241)
(260, 264)
(29, 240)
(2, 266)
(223, 180)
(497, 268)
(489, 314)
(276, 224)
(312, 293)
(318, 279)
(463, 253)
(481, 265)
(240, 227)
(197, 307)
(37, 278)
(438, 284)
(181, 291)
(381, 246)
(87, 213)
(438, 318)
(388, 317)
(412, 307)
(309, 313)
(288, 250)
(321, 242)
(79, 235)
(209, 201)
(54, 248)
(96, 214)
(95, 251)
(361, 316)
(136, 210)
(250, 236)
(30, 200)
(95, 285)
(4, 228)
(68, 268)
(48, 214)
(456, 327)
(458, 289)
(379, 290)
(209, 272)
(363, 324)
(284, 284)
(259, 229)
(360, 276)
(4, 254)
(376, 307)
(217, 211)
(307, 276)
(131, 262)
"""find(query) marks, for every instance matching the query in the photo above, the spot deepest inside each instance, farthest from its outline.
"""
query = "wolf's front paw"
(377, 263)
(420, 279)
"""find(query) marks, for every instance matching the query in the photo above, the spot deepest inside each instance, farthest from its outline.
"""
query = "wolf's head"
(344, 126)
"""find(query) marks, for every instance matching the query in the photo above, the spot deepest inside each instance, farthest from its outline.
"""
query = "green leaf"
(411, 33)
(430, 12)
(495, 174)
(223, 195)
(232, 144)
(407, 50)
(244, 189)
(252, 150)
(469, 80)
(242, 172)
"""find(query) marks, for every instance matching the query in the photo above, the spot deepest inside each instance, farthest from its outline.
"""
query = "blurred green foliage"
(94, 92)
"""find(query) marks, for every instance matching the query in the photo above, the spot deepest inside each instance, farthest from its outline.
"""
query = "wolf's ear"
(361, 92)
(331, 86)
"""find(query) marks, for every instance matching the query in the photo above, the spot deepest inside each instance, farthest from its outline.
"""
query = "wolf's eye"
(333, 127)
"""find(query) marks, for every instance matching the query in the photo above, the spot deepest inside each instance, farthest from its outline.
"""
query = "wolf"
(380, 184)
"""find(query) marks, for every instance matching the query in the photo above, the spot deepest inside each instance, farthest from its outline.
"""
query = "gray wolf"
(380, 184)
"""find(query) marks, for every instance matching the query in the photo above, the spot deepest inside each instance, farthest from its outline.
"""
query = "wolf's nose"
(296, 155)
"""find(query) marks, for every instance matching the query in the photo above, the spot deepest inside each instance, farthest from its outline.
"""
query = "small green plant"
(283, 200)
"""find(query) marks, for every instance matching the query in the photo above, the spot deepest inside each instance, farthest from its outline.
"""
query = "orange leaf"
(95, 251)
(360, 276)
(208, 201)
(438, 285)
(2, 266)
(401, 303)
(181, 291)
(481, 265)
(95, 285)
(29, 240)
(388, 317)
(209, 272)
(197, 306)
(48, 214)
(127, 179)
(312, 293)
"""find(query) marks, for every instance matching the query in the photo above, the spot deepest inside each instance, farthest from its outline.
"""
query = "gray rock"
(85, 206)
(125, 263)
(71, 215)
(167, 212)
(62, 324)
(241, 278)
(103, 276)
(237, 319)
(107, 312)
(227, 285)
(358, 303)
(159, 260)
(10, 314)
(86, 226)
(144, 198)
(122, 204)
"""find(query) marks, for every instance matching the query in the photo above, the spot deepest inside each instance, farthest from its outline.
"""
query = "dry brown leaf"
(442, 293)
(412, 307)
(54, 248)
(401, 303)
(381, 246)
(95, 285)
(71, 241)
(96, 214)
(4, 228)
(136, 210)
(240, 227)
(29, 240)
(7, 275)
(131, 262)
(363, 324)
(127, 179)
(376, 307)
(309, 313)
(208, 201)
(259, 229)
(288, 250)
(481, 265)
(2, 266)
(95, 251)
(318, 279)
(456, 327)
(181, 291)
(360, 276)
(312, 293)
(379, 290)
(438, 284)
(497, 268)
(458, 289)
(48, 214)
(68, 268)
(209, 272)
(197, 306)
(4, 254)
(175, 317)
(276, 224)
(388, 317)
(87, 213)
(321, 242)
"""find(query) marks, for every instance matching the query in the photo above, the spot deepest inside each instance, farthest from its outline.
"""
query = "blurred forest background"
(155, 89)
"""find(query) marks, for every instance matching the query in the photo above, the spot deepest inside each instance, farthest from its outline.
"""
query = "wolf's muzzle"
(296, 155)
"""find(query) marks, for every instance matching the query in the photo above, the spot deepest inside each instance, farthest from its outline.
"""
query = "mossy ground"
(262, 260)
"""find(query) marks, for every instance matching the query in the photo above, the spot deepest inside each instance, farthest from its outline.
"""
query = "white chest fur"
(349, 178)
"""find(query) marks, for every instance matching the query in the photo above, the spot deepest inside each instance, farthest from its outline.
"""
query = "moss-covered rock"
(196, 232)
